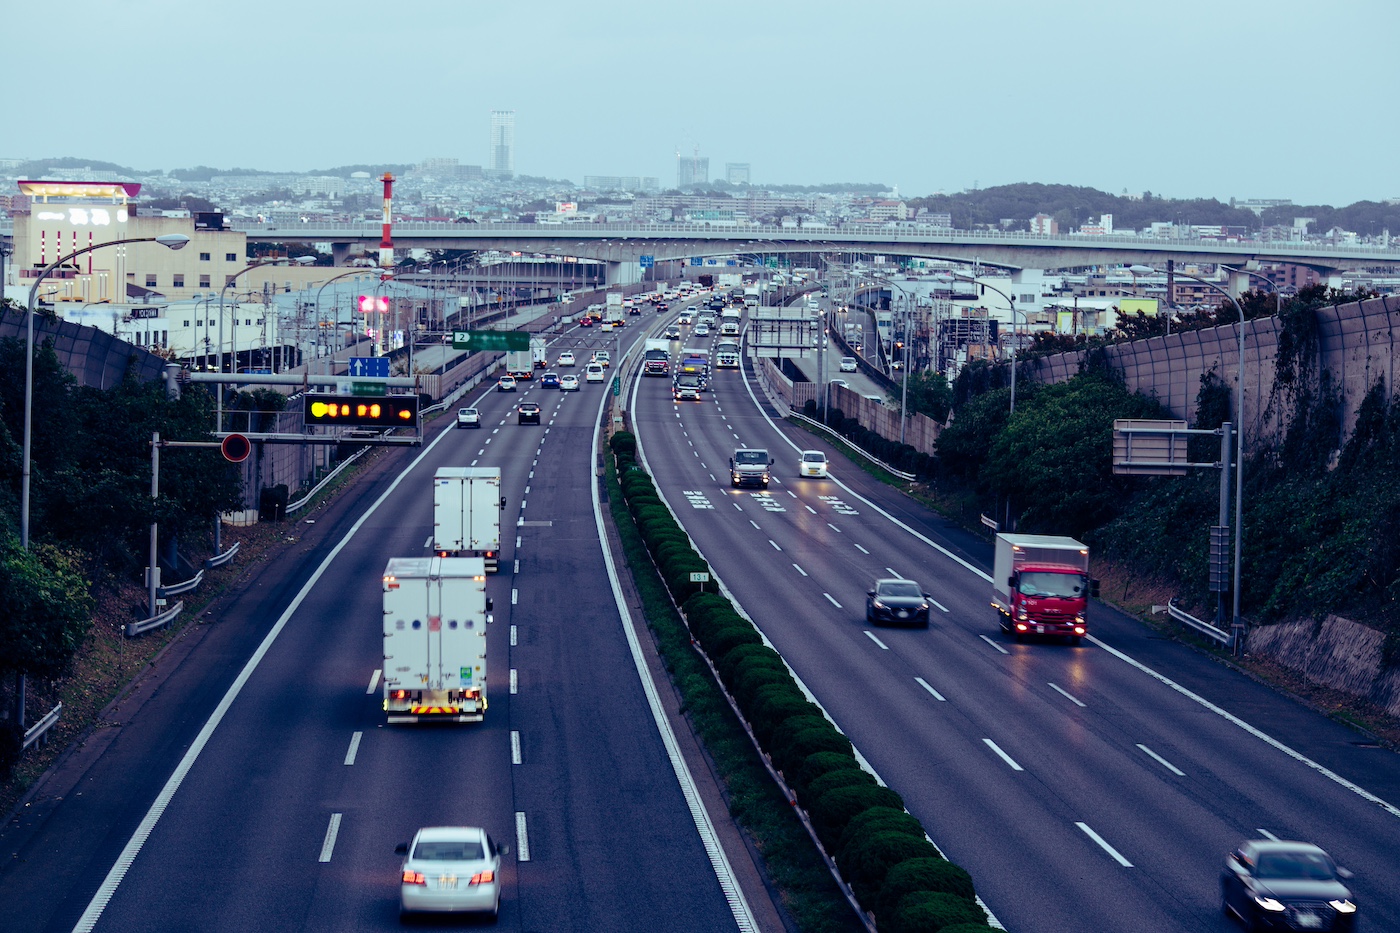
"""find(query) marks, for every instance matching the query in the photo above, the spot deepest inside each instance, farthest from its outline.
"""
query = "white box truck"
(539, 353)
(614, 312)
(435, 618)
(520, 364)
(467, 505)
(1041, 586)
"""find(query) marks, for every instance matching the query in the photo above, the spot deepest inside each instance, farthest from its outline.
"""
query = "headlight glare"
(1268, 903)
(1342, 906)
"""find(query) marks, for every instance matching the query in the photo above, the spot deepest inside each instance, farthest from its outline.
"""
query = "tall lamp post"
(281, 260)
(170, 241)
(343, 275)
(952, 276)
(1236, 623)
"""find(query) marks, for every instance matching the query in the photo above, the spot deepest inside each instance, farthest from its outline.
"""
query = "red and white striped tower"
(386, 243)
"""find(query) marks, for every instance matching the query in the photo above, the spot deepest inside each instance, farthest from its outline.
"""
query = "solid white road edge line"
(103, 896)
(328, 846)
(719, 861)
(1104, 845)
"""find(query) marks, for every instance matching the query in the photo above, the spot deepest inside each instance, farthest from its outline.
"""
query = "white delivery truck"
(520, 364)
(751, 296)
(614, 313)
(435, 617)
(539, 353)
(729, 322)
(727, 355)
(467, 505)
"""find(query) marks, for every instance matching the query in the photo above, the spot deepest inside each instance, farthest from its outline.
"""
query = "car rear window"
(447, 851)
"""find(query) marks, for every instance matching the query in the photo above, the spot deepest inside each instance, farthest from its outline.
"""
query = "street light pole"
(169, 241)
(282, 260)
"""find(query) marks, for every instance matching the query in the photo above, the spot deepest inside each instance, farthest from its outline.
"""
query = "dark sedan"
(896, 602)
(529, 413)
(1274, 885)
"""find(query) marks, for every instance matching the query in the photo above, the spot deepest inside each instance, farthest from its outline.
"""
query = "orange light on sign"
(393, 411)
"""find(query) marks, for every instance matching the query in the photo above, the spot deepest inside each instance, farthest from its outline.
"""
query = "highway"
(1096, 787)
(269, 795)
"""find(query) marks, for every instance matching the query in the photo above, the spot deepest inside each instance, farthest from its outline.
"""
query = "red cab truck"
(1042, 586)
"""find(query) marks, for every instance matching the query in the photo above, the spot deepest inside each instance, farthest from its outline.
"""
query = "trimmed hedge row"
(879, 848)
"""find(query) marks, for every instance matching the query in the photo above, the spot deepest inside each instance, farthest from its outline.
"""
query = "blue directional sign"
(647, 261)
(375, 367)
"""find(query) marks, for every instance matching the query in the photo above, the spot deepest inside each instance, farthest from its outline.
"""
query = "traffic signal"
(388, 411)
(372, 303)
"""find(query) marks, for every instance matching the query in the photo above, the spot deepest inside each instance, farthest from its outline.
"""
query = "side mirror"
(505, 849)
(731, 463)
(1094, 588)
(770, 461)
(1011, 581)
(503, 501)
(401, 849)
(490, 604)
(869, 592)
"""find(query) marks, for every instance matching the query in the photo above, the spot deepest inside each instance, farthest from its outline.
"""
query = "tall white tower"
(502, 161)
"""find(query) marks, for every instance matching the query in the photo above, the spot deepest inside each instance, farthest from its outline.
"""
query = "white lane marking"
(527, 489)
(738, 506)
(522, 505)
(514, 747)
(514, 596)
(809, 508)
(522, 839)
(775, 544)
(861, 549)
(833, 527)
(788, 491)
(938, 604)
(481, 451)
(514, 681)
(1266, 834)
(894, 573)
(754, 523)
(832, 601)
(328, 846)
(517, 565)
(993, 644)
(517, 541)
(1104, 845)
(1257, 733)
(475, 462)
(373, 683)
(1064, 693)
(1161, 761)
(512, 636)
(871, 635)
(799, 570)
(497, 430)
(531, 476)
(712, 476)
(925, 684)
(1004, 757)
(429, 542)
(354, 748)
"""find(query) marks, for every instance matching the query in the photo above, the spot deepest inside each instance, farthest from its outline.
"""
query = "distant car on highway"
(812, 463)
(468, 418)
(594, 372)
(549, 380)
(897, 602)
(450, 869)
(585, 321)
(848, 364)
(685, 318)
(568, 383)
(567, 358)
(702, 330)
(528, 413)
(602, 357)
(505, 384)
(1270, 884)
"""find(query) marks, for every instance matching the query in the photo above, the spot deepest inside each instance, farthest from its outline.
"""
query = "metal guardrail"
(301, 503)
(36, 731)
(211, 562)
(1205, 628)
(909, 477)
(177, 588)
(154, 622)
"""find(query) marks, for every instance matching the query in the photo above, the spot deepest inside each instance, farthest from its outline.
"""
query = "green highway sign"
(617, 386)
(367, 388)
(490, 340)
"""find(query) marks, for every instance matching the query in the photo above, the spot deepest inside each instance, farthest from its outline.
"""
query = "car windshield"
(448, 851)
(814, 457)
(751, 456)
(900, 589)
(1314, 866)
(1046, 583)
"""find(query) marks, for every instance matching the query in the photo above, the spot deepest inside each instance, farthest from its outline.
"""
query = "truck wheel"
(1074, 640)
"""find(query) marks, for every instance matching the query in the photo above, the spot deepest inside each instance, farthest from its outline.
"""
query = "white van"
(594, 372)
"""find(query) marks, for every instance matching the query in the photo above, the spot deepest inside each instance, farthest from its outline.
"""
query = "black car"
(529, 413)
(896, 602)
(1275, 885)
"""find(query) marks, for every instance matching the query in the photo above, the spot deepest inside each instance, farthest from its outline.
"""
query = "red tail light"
(485, 877)
(413, 877)
(399, 695)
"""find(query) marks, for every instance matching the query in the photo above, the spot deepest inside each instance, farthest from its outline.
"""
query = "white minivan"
(594, 372)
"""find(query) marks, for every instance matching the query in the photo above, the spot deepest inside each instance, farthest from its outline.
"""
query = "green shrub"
(867, 860)
(879, 820)
(819, 763)
(717, 619)
(754, 679)
(846, 777)
(784, 735)
(773, 704)
(925, 911)
(726, 639)
(921, 874)
(623, 442)
(833, 810)
(808, 742)
(968, 928)
(739, 659)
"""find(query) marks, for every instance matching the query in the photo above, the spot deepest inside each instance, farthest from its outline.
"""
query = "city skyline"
(1219, 100)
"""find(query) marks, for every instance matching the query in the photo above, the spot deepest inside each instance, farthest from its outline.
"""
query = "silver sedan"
(450, 869)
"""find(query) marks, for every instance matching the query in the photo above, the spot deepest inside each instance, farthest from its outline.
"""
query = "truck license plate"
(1040, 629)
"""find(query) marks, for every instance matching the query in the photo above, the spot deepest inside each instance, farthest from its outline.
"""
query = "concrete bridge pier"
(340, 252)
(623, 273)
(1238, 283)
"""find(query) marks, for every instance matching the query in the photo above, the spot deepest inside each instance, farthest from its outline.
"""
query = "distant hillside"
(41, 168)
(1073, 206)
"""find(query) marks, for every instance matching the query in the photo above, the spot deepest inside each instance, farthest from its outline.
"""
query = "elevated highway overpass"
(622, 244)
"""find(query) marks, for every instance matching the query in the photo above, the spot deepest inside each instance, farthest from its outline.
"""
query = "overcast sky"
(1194, 98)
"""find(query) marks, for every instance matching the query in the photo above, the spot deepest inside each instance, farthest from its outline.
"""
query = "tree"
(930, 394)
(45, 608)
